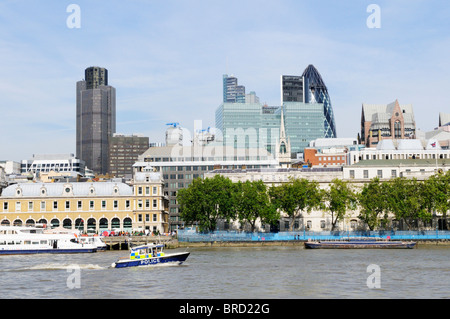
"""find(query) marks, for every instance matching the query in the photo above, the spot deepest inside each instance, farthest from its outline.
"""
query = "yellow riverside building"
(89, 206)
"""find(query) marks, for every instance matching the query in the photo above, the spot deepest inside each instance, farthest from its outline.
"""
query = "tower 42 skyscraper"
(96, 118)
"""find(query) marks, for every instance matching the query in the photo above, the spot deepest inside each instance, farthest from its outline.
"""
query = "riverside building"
(89, 206)
(179, 165)
(45, 163)
(386, 121)
(123, 153)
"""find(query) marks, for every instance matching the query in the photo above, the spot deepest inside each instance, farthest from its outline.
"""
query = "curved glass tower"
(317, 92)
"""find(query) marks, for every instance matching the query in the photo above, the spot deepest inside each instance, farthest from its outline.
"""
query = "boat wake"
(54, 266)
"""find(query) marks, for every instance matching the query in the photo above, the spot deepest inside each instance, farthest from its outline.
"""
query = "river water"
(235, 273)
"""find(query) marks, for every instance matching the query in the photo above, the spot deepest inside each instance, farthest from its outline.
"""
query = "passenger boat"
(18, 240)
(94, 240)
(359, 243)
(150, 255)
(84, 239)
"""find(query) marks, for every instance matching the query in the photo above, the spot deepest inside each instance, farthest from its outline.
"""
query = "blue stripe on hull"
(46, 251)
(152, 261)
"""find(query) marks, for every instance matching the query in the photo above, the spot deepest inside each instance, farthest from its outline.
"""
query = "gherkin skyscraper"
(317, 92)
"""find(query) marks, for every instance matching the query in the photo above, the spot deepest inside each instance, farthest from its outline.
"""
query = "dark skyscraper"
(291, 88)
(96, 118)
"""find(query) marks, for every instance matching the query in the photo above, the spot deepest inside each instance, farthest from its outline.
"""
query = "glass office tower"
(252, 125)
(317, 92)
(96, 118)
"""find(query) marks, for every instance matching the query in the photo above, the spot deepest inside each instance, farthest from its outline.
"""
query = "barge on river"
(360, 243)
(150, 255)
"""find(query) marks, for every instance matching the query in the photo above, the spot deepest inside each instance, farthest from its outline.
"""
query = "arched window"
(397, 130)
(283, 148)
(79, 224)
(91, 223)
(115, 223)
(127, 223)
(103, 224)
(55, 223)
(67, 223)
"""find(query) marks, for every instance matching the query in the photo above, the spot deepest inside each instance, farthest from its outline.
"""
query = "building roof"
(383, 112)
(444, 119)
(189, 152)
(401, 162)
(77, 189)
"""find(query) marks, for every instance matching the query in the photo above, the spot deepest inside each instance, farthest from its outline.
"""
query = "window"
(103, 204)
(127, 203)
(55, 204)
(91, 204)
(322, 224)
(147, 203)
(79, 204)
(140, 203)
(366, 173)
(352, 173)
(30, 206)
(139, 190)
(393, 173)
(147, 190)
(155, 190)
(155, 204)
(67, 204)
(397, 130)
(380, 173)
(42, 205)
(140, 217)
(5, 206)
(155, 218)
(115, 204)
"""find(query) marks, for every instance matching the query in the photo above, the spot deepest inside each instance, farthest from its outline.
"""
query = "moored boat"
(150, 255)
(18, 240)
(360, 243)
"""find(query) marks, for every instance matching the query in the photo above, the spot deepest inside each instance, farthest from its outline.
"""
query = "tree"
(296, 197)
(205, 201)
(406, 201)
(373, 203)
(338, 199)
(437, 193)
(252, 203)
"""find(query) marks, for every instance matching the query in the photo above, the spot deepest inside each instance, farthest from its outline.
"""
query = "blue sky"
(166, 60)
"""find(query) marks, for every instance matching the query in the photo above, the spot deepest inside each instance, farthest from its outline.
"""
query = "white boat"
(94, 240)
(18, 240)
(150, 255)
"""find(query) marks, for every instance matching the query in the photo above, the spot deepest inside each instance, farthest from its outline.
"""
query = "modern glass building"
(252, 125)
(96, 118)
(232, 92)
(308, 115)
(317, 92)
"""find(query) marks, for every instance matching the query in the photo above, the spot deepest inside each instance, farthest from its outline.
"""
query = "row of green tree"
(206, 201)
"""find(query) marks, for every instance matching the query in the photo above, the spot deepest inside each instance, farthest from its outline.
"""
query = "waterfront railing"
(237, 236)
